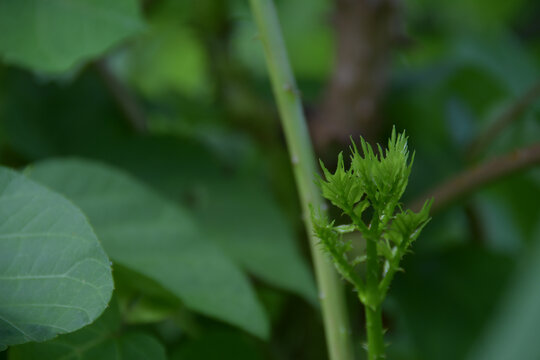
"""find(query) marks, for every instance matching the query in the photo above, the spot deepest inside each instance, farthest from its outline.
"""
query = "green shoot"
(368, 193)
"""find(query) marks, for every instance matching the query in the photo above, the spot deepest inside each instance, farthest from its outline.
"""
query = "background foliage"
(156, 119)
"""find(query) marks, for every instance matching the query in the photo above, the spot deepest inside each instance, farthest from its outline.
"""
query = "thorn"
(291, 89)
(362, 297)
(343, 330)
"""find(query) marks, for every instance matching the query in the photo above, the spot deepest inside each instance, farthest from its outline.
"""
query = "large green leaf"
(54, 275)
(54, 35)
(236, 201)
(146, 233)
(102, 340)
(244, 219)
(237, 206)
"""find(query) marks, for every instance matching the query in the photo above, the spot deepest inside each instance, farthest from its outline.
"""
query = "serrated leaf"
(407, 225)
(384, 249)
(341, 188)
(383, 176)
(344, 229)
(54, 275)
(102, 340)
(360, 208)
(323, 228)
(54, 35)
(336, 247)
(157, 238)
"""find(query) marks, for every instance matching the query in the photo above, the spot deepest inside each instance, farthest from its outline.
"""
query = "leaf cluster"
(368, 193)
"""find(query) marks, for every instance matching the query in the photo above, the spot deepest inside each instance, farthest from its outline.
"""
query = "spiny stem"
(373, 306)
(375, 345)
(389, 276)
(303, 162)
(373, 297)
(372, 268)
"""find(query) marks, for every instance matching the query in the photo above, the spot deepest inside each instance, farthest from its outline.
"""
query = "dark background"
(186, 106)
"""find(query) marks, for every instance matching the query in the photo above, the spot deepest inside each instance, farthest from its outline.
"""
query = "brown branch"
(365, 32)
(123, 97)
(512, 113)
(472, 179)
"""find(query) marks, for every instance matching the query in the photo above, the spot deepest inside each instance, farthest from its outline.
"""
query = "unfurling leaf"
(339, 187)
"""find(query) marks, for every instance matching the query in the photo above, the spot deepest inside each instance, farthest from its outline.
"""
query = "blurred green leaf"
(43, 120)
(302, 32)
(104, 340)
(460, 122)
(235, 205)
(516, 193)
(463, 16)
(247, 223)
(54, 275)
(167, 58)
(55, 35)
(309, 61)
(499, 225)
(513, 331)
(444, 300)
(147, 233)
(142, 300)
(503, 56)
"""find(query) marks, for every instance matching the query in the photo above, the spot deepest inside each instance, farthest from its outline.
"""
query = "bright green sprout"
(376, 180)
(368, 193)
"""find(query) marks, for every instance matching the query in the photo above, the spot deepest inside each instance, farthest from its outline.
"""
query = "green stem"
(389, 276)
(375, 334)
(375, 346)
(372, 269)
(347, 271)
(303, 162)
(372, 262)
